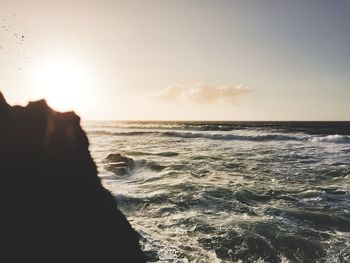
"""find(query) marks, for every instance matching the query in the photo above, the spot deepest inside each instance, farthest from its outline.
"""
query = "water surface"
(228, 192)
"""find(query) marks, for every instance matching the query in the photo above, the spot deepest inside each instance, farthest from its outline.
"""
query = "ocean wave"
(129, 133)
(162, 154)
(213, 136)
(262, 137)
(332, 139)
(159, 126)
(224, 136)
(311, 128)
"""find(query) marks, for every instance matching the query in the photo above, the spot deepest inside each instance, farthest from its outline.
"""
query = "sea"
(231, 191)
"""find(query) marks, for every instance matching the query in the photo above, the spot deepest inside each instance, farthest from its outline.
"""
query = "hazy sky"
(211, 60)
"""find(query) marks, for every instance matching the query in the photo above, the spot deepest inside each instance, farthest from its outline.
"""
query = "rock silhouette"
(53, 206)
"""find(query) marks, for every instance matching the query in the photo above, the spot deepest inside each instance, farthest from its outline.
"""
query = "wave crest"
(260, 137)
(332, 139)
(336, 138)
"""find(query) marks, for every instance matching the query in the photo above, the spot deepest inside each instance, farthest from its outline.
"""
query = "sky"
(179, 60)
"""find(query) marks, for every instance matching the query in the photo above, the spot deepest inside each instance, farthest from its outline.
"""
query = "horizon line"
(197, 120)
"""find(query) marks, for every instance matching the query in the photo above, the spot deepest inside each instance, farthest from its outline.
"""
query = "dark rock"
(151, 256)
(118, 169)
(119, 164)
(155, 166)
(53, 206)
(118, 158)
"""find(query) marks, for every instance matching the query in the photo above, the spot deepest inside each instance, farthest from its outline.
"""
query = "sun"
(65, 83)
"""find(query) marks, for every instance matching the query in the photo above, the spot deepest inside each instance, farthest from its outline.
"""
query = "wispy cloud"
(170, 93)
(200, 93)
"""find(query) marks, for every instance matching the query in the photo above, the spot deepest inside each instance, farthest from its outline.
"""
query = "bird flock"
(14, 38)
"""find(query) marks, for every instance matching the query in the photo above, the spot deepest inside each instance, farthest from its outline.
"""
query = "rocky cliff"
(53, 206)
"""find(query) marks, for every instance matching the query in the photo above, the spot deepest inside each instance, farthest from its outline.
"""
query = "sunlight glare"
(64, 83)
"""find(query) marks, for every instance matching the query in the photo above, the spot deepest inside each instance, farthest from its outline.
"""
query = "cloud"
(170, 93)
(208, 94)
(200, 93)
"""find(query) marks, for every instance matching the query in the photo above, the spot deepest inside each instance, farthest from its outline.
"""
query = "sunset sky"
(179, 60)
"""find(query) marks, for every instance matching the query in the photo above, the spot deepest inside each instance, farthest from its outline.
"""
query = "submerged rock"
(122, 165)
(53, 206)
(155, 166)
(118, 158)
(118, 169)
(119, 164)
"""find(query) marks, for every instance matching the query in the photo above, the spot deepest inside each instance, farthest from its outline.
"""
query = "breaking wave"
(333, 139)
(224, 136)
(263, 137)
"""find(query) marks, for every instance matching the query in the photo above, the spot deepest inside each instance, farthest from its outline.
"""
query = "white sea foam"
(332, 139)
(259, 137)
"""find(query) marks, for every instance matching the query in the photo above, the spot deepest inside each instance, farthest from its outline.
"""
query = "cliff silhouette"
(53, 205)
